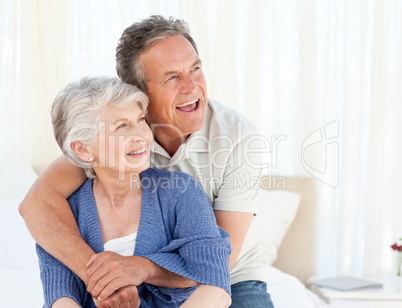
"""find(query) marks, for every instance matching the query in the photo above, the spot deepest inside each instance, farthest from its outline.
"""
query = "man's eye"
(171, 77)
(122, 125)
(141, 119)
(195, 69)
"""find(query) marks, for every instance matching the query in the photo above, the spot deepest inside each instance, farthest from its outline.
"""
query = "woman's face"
(123, 142)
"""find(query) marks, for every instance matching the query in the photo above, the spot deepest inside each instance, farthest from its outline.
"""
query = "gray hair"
(137, 38)
(77, 109)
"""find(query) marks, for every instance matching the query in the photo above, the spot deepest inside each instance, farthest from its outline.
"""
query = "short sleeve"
(241, 176)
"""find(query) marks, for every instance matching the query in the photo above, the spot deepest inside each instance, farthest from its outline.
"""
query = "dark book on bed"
(345, 283)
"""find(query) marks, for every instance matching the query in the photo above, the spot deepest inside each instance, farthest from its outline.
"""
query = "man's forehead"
(171, 69)
(170, 48)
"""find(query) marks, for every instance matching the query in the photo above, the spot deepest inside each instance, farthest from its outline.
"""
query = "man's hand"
(109, 271)
(126, 297)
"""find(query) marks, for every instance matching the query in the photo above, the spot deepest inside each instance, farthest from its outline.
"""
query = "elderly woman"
(128, 208)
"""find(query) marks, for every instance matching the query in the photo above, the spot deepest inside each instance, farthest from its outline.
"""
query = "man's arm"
(234, 205)
(49, 218)
(236, 224)
(51, 222)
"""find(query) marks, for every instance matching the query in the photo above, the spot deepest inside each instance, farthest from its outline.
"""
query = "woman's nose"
(137, 138)
(143, 136)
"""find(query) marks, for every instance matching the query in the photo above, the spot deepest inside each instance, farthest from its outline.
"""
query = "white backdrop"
(321, 79)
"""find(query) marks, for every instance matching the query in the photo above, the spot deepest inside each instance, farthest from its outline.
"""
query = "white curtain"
(321, 79)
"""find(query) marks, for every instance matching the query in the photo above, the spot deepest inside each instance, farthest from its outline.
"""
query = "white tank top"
(123, 245)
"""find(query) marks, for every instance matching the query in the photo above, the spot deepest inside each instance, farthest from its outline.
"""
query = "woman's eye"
(122, 125)
(141, 119)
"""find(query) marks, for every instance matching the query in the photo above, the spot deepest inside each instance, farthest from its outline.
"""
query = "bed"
(287, 207)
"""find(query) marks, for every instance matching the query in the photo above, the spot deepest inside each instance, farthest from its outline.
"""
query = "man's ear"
(82, 151)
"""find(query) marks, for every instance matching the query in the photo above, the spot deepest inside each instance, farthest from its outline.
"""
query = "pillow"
(276, 211)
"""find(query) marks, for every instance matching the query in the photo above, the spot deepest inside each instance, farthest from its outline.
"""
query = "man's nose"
(188, 84)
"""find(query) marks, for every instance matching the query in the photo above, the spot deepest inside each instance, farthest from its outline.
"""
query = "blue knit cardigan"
(177, 231)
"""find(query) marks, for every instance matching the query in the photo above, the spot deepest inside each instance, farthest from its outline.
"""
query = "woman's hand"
(109, 271)
(208, 296)
(65, 302)
(126, 297)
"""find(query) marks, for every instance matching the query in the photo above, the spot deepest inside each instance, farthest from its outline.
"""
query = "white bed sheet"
(364, 304)
(288, 292)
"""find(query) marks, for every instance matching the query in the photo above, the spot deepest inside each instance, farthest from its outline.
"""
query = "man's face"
(176, 88)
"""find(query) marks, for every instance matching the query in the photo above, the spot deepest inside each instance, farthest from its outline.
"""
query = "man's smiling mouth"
(188, 107)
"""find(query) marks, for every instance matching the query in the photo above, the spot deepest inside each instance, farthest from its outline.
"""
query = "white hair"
(76, 112)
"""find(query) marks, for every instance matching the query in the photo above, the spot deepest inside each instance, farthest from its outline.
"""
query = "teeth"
(189, 103)
(140, 151)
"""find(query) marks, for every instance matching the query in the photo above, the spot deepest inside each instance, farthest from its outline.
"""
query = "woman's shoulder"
(83, 193)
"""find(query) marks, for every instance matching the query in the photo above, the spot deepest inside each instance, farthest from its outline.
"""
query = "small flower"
(396, 247)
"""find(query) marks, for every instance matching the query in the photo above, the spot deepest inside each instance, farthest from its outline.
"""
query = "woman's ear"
(82, 151)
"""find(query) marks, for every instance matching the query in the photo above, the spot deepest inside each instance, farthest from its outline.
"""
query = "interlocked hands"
(112, 280)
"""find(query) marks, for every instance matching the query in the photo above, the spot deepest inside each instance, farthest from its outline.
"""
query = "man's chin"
(193, 127)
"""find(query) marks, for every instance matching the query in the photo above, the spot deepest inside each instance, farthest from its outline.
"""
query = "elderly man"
(192, 134)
